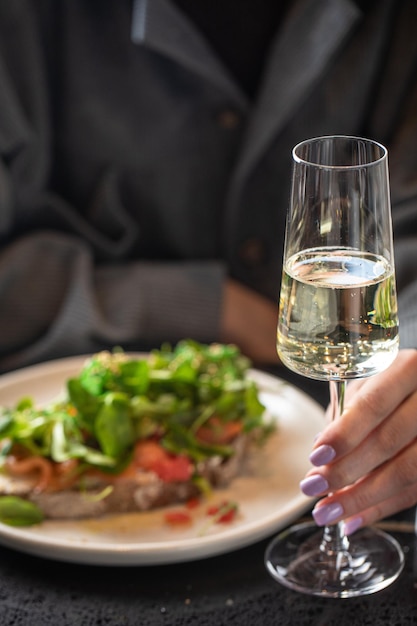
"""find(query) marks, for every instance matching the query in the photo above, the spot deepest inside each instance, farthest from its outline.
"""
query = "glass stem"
(335, 543)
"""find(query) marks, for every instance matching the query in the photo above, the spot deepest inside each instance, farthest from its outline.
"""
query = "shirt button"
(229, 119)
(253, 252)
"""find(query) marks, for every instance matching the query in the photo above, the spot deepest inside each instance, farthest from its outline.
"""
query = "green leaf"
(113, 426)
(59, 451)
(16, 511)
(134, 377)
(179, 440)
(91, 456)
(86, 403)
(6, 420)
(25, 403)
(117, 400)
(253, 405)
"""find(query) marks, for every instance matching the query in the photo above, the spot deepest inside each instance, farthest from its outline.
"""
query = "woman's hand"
(368, 458)
(250, 321)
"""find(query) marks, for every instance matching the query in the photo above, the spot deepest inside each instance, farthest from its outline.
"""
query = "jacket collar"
(312, 33)
(303, 46)
(159, 26)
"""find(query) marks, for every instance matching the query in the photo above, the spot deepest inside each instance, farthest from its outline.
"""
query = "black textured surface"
(230, 589)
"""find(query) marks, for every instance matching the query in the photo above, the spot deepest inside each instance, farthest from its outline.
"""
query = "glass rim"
(303, 161)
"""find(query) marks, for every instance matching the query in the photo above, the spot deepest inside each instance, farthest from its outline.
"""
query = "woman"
(145, 168)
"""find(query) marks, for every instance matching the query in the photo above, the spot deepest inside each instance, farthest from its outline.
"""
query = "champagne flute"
(337, 321)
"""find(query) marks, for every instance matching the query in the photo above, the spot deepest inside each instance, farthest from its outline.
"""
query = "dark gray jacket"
(135, 174)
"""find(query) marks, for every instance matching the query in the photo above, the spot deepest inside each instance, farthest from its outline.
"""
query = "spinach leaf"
(113, 426)
(16, 511)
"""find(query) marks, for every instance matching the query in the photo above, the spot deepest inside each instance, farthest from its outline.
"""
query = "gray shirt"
(135, 174)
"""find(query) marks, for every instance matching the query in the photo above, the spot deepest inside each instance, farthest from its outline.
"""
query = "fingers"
(369, 402)
(368, 457)
(403, 500)
(385, 491)
(391, 436)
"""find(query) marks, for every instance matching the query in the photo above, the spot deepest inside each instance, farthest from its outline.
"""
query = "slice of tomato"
(151, 456)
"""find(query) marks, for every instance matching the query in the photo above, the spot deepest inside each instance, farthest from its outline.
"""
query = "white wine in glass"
(337, 321)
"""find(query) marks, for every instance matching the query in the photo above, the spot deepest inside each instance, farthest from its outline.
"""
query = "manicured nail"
(314, 485)
(352, 525)
(322, 455)
(327, 513)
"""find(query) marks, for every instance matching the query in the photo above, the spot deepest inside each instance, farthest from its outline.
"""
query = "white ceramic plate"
(268, 494)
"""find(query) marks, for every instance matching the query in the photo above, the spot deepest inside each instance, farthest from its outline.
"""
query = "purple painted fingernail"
(352, 525)
(322, 455)
(314, 485)
(327, 513)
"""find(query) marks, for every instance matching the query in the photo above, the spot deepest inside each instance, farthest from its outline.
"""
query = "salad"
(167, 412)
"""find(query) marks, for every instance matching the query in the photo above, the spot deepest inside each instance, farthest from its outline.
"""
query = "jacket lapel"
(160, 26)
(303, 47)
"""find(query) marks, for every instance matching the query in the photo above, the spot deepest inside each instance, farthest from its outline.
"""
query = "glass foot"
(299, 559)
